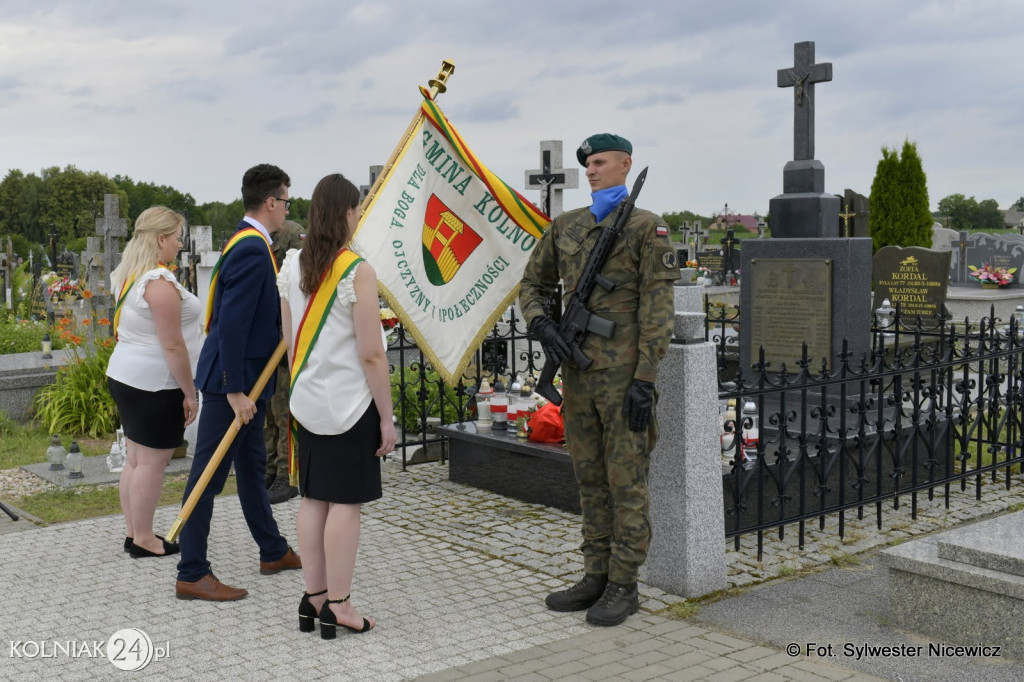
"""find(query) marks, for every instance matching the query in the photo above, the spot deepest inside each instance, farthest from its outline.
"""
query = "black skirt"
(153, 419)
(342, 468)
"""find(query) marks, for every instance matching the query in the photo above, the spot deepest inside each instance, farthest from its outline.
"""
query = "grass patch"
(26, 443)
(844, 560)
(684, 609)
(85, 502)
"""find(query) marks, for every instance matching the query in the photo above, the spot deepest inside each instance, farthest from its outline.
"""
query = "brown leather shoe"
(289, 561)
(209, 589)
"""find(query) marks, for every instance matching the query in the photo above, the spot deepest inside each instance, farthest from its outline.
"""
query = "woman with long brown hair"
(340, 399)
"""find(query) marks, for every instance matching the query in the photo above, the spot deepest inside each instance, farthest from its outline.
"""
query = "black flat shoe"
(329, 622)
(141, 552)
(128, 543)
(307, 614)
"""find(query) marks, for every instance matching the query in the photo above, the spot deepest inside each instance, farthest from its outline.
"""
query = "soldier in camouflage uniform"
(609, 409)
(275, 431)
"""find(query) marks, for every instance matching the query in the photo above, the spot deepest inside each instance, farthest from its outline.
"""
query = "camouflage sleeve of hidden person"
(540, 277)
(656, 310)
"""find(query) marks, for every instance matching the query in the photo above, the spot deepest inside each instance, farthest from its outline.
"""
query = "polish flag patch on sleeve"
(662, 231)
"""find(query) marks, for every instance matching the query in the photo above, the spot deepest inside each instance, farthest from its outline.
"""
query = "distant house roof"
(1013, 218)
(735, 220)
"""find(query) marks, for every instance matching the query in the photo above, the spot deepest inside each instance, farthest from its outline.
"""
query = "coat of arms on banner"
(448, 240)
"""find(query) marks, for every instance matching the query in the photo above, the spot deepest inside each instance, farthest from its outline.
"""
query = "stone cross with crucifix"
(111, 227)
(699, 234)
(802, 77)
(804, 209)
(551, 179)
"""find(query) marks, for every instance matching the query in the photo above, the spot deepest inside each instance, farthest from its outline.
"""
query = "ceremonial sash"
(317, 309)
(235, 238)
(125, 288)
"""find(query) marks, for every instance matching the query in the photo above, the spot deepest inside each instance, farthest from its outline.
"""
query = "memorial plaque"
(913, 277)
(793, 305)
(711, 260)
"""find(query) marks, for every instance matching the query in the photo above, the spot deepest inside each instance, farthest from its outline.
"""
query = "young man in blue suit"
(243, 331)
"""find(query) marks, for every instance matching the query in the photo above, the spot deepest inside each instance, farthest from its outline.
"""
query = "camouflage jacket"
(643, 267)
(288, 237)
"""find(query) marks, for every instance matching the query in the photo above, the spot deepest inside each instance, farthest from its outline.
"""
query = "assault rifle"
(577, 321)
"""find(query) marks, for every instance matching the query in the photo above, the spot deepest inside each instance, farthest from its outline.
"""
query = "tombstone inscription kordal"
(912, 278)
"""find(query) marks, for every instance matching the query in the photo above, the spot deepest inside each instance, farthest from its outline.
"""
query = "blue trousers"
(249, 455)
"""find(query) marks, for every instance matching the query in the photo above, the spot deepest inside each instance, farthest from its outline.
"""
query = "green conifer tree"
(900, 214)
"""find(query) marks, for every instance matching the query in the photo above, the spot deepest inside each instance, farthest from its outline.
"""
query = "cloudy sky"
(190, 93)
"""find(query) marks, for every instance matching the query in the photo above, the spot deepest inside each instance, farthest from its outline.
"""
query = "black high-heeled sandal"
(329, 622)
(307, 614)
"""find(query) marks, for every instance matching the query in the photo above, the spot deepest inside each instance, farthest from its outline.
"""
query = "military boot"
(580, 596)
(616, 604)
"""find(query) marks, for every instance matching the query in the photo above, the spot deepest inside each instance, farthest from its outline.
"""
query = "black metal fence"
(422, 401)
(929, 407)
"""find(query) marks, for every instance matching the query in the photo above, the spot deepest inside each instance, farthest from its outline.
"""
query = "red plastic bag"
(545, 425)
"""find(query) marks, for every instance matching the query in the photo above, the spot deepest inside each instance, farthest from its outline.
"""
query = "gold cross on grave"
(846, 215)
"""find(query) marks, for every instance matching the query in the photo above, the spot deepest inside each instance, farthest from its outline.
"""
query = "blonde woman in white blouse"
(150, 375)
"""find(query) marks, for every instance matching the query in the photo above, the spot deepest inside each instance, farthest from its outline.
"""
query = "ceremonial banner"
(448, 240)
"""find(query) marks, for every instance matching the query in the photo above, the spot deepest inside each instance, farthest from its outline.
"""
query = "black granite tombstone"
(912, 278)
(996, 251)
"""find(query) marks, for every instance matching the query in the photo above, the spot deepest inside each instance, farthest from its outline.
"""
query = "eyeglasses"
(287, 203)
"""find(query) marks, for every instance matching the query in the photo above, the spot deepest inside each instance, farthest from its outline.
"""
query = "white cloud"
(190, 92)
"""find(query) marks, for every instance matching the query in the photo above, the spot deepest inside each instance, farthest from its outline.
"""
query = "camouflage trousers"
(611, 465)
(275, 431)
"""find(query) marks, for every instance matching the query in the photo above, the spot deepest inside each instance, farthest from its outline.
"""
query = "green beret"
(602, 142)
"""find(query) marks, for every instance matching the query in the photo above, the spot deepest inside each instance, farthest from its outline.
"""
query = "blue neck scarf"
(604, 200)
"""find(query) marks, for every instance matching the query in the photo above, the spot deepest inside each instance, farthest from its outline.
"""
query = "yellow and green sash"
(125, 288)
(317, 309)
(235, 238)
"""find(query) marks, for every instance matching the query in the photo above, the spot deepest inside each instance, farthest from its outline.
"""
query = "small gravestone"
(857, 210)
(713, 261)
(730, 253)
(364, 190)
(998, 251)
(958, 267)
(67, 265)
(913, 279)
(551, 179)
(943, 238)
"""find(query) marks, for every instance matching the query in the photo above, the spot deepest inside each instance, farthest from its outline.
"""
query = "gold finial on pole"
(437, 86)
(440, 84)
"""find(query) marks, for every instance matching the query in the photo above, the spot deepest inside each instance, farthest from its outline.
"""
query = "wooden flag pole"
(437, 86)
(225, 443)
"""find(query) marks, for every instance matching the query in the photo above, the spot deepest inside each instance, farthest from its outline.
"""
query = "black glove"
(546, 331)
(639, 404)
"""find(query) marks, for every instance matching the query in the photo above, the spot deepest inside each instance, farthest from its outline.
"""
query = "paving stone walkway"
(454, 575)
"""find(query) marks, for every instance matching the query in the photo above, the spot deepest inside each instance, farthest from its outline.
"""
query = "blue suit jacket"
(246, 324)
